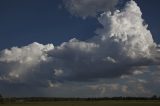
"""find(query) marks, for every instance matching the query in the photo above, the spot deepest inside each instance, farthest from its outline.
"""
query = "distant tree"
(154, 97)
(1, 98)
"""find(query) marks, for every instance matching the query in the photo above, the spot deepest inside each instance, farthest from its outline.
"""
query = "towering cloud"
(124, 43)
(124, 46)
(85, 8)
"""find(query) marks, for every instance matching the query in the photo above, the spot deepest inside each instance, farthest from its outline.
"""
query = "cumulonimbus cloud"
(85, 8)
(123, 44)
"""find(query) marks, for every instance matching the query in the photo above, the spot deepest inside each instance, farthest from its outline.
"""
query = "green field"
(87, 103)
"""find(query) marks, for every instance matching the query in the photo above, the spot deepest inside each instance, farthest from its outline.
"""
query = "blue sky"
(27, 21)
(77, 48)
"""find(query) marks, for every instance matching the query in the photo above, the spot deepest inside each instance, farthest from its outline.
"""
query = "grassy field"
(87, 103)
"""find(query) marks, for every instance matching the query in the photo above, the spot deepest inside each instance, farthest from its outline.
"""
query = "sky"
(79, 48)
(47, 21)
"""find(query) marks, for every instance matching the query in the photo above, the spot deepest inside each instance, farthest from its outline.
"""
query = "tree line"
(52, 99)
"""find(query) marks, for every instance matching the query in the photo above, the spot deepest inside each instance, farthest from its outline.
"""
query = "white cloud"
(58, 72)
(124, 43)
(53, 85)
(33, 53)
(137, 72)
(85, 8)
(125, 29)
(110, 59)
(122, 46)
(20, 64)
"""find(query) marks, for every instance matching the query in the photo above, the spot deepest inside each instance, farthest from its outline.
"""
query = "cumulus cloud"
(30, 54)
(122, 47)
(85, 8)
(20, 64)
(123, 44)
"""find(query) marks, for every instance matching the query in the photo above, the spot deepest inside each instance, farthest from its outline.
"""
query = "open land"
(86, 103)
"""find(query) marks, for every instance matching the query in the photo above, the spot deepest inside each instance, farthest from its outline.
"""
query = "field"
(87, 103)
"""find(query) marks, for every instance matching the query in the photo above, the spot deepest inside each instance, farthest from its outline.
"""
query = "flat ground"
(87, 103)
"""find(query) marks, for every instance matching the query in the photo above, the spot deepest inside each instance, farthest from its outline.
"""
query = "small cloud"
(89, 8)
(110, 59)
(124, 76)
(124, 89)
(137, 72)
(53, 85)
(58, 72)
(142, 81)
